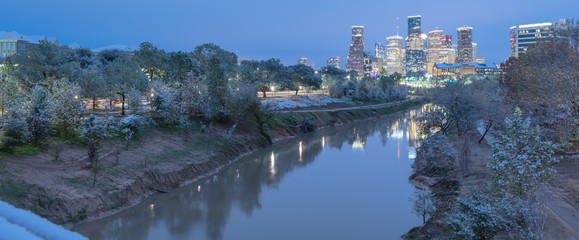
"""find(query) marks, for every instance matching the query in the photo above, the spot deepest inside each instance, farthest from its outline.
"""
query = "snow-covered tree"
(14, 126)
(475, 219)
(39, 114)
(521, 161)
(165, 103)
(93, 131)
(66, 105)
(423, 205)
(132, 125)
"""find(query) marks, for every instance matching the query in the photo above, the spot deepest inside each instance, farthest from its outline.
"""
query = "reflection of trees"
(207, 205)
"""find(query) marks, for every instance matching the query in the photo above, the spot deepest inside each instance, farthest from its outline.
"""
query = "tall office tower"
(446, 55)
(379, 50)
(355, 60)
(474, 45)
(447, 41)
(522, 35)
(368, 59)
(464, 48)
(414, 24)
(434, 47)
(333, 62)
(415, 48)
(394, 55)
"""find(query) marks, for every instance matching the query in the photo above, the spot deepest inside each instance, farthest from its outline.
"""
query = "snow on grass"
(301, 101)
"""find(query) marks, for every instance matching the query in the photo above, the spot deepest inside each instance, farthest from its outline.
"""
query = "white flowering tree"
(66, 105)
(521, 162)
(39, 114)
(14, 126)
(423, 205)
(93, 131)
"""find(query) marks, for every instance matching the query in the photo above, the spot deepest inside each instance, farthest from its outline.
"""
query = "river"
(347, 182)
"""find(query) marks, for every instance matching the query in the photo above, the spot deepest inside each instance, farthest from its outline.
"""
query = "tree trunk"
(487, 128)
(297, 91)
(263, 94)
(93, 102)
(123, 104)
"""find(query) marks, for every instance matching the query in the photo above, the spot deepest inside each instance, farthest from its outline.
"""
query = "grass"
(80, 215)
(13, 190)
(75, 182)
(26, 150)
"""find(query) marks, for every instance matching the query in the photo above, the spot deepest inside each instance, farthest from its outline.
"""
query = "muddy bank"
(158, 161)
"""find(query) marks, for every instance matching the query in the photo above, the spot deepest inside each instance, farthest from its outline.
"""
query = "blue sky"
(262, 29)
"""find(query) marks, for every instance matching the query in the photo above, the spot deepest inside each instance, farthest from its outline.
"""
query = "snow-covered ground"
(301, 101)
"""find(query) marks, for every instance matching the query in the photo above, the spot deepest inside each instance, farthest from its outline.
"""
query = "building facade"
(333, 62)
(415, 57)
(474, 45)
(523, 35)
(12, 42)
(434, 47)
(355, 60)
(446, 55)
(368, 61)
(304, 61)
(379, 50)
(447, 41)
(464, 46)
(457, 70)
(394, 55)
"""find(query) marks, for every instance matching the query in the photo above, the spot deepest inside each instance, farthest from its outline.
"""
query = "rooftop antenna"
(397, 26)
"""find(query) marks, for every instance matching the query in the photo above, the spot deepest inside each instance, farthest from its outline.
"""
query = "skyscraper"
(368, 59)
(379, 50)
(414, 24)
(333, 62)
(394, 55)
(464, 47)
(355, 60)
(434, 46)
(474, 45)
(447, 41)
(415, 48)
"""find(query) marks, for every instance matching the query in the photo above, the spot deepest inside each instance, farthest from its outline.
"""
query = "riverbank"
(158, 161)
(469, 171)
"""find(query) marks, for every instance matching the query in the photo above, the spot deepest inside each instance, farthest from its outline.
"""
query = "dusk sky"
(263, 29)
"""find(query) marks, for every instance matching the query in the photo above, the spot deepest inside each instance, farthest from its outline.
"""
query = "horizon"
(264, 30)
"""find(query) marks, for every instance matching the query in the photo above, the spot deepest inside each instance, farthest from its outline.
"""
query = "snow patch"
(301, 101)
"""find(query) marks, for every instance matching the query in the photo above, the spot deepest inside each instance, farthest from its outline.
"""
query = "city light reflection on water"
(315, 183)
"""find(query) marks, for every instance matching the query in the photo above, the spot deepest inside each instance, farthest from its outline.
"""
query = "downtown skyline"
(262, 29)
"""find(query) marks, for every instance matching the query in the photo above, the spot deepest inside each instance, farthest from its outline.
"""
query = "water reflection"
(202, 210)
